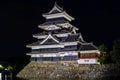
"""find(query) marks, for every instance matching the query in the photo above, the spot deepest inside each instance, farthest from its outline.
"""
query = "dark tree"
(102, 50)
(115, 54)
(105, 57)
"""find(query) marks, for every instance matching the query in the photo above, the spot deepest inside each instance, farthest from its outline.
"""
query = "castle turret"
(59, 40)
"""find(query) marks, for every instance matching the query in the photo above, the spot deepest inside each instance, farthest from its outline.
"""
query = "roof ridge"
(56, 7)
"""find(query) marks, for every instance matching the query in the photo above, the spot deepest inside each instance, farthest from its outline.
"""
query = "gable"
(50, 41)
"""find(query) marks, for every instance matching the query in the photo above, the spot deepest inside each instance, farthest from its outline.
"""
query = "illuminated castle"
(59, 41)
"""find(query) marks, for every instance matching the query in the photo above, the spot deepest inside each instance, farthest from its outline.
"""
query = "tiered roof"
(56, 19)
(57, 12)
(59, 33)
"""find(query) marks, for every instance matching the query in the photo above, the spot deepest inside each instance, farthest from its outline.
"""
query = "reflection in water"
(44, 79)
(6, 76)
(9, 78)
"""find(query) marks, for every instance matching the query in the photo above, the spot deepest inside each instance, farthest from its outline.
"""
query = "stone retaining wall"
(70, 70)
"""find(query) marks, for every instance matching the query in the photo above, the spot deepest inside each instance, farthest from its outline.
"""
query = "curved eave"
(75, 28)
(28, 46)
(58, 35)
(39, 36)
(62, 14)
(72, 18)
(46, 46)
(48, 27)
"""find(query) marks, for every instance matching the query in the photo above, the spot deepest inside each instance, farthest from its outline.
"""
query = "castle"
(61, 41)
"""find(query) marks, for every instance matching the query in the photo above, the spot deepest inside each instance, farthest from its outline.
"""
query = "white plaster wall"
(87, 61)
(55, 54)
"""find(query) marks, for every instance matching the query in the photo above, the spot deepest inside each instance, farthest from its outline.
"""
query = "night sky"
(97, 20)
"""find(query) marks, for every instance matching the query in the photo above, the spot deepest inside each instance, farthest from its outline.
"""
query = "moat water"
(9, 78)
(35, 79)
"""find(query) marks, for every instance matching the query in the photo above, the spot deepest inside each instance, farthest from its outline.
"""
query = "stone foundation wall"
(69, 70)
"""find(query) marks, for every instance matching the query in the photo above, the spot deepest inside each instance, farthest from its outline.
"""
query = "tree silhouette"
(105, 57)
(115, 54)
(102, 50)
